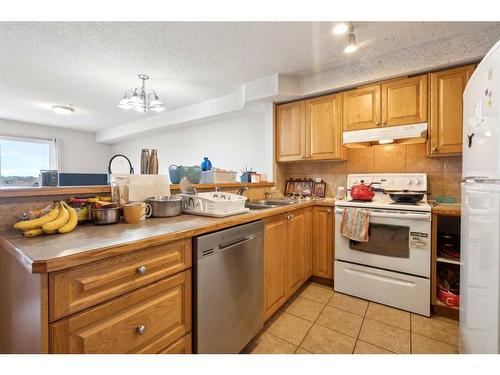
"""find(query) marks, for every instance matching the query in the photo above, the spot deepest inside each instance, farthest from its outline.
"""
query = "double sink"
(269, 203)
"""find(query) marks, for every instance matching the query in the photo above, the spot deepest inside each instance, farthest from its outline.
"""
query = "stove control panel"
(391, 181)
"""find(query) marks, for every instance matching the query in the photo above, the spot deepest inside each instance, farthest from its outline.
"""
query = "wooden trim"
(16, 192)
(434, 226)
(44, 313)
(106, 189)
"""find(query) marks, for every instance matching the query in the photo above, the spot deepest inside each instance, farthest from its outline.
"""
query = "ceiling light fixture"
(63, 109)
(141, 100)
(350, 43)
(341, 28)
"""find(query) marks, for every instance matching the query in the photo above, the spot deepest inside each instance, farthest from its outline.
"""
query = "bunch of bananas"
(60, 219)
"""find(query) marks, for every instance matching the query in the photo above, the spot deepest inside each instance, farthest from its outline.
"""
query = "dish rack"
(216, 204)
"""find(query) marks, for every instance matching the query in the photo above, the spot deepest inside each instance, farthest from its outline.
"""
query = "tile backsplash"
(443, 173)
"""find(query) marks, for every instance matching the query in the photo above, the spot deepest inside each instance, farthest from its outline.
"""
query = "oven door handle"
(426, 216)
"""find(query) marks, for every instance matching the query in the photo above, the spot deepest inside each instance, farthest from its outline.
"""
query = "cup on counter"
(134, 212)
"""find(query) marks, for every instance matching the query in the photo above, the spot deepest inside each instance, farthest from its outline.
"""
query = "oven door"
(398, 241)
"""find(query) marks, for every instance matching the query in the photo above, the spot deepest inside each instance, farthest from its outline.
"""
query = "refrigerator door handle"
(481, 179)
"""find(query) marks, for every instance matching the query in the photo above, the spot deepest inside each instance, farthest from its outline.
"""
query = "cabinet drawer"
(181, 346)
(142, 321)
(84, 286)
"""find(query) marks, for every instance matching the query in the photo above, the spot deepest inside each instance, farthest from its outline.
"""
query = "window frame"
(54, 161)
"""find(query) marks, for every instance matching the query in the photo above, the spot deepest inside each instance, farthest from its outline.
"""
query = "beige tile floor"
(319, 320)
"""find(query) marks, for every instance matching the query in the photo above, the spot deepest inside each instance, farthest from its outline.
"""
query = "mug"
(134, 212)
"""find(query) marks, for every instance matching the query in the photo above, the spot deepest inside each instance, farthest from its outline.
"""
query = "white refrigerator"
(480, 237)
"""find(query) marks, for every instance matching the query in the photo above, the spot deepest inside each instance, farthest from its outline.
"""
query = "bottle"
(206, 164)
(153, 162)
(144, 161)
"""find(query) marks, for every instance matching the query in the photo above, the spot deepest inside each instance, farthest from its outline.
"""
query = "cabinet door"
(290, 131)
(299, 243)
(361, 108)
(324, 128)
(404, 101)
(446, 109)
(275, 254)
(322, 250)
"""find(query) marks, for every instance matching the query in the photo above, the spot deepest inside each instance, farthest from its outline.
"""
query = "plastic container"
(206, 164)
(217, 176)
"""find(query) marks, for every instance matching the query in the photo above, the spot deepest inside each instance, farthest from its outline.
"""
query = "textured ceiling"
(89, 65)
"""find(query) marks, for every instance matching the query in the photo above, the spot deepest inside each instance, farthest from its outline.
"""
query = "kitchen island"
(70, 293)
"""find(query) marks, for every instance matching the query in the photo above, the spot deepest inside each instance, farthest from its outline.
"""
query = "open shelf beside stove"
(445, 225)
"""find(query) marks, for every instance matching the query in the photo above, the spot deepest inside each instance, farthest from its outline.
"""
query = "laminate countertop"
(447, 209)
(88, 243)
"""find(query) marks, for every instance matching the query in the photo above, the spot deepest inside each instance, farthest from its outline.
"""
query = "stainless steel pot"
(165, 206)
(102, 216)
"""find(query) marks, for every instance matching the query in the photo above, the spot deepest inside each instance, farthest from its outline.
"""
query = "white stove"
(416, 182)
(393, 266)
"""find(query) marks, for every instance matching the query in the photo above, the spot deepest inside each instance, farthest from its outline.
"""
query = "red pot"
(362, 192)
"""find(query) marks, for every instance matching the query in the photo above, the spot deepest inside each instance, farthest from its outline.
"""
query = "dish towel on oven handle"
(355, 223)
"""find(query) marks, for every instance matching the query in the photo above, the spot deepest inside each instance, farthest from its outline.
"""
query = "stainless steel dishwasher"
(228, 288)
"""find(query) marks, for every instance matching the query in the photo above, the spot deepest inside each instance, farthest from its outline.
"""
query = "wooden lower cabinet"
(287, 257)
(275, 260)
(181, 346)
(142, 321)
(322, 240)
(299, 249)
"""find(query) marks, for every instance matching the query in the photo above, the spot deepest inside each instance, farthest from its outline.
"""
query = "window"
(21, 160)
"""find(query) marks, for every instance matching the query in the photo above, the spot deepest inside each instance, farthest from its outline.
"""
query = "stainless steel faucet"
(242, 190)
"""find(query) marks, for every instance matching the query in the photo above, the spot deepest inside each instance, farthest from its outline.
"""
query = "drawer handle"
(140, 330)
(141, 270)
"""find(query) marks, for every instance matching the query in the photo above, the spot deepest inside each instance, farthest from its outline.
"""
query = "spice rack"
(445, 263)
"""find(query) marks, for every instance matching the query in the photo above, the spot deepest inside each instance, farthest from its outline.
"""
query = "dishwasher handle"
(235, 243)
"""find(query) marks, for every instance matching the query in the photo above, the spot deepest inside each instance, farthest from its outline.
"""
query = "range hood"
(416, 133)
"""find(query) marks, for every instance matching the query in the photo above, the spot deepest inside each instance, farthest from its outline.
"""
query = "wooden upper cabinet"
(290, 131)
(361, 108)
(446, 108)
(404, 101)
(275, 255)
(322, 250)
(324, 128)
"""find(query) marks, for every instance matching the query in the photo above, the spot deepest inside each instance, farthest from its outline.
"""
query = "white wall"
(80, 151)
(229, 144)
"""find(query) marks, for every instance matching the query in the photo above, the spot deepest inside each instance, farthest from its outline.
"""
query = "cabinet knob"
(384, 123)
(140, 330)
(141, 270)
(377, 123)
(291, 216)
(302, 157)
(434, 149)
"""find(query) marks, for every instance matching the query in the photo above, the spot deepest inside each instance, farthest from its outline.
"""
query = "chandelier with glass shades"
(141, 100)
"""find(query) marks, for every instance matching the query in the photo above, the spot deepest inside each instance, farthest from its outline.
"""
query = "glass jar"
(82, 209)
